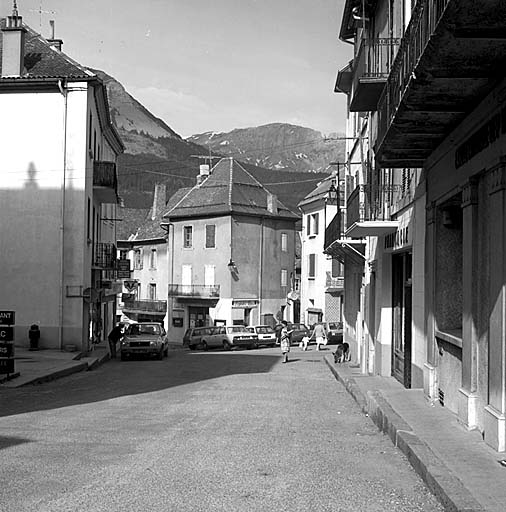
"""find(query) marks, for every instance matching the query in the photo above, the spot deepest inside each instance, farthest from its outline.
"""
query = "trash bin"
(34, 336)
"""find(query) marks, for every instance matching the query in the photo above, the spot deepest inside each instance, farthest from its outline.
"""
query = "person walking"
(285, 340)
(319, 335)
(114, 336)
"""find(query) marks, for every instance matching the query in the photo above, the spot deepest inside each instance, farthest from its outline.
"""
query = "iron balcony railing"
(104, 174)
(147, 306)
(104, 256)
(371, 202)
(334, 230)
(424, 20)
(194, 290)
(336, 282)
(375, 57)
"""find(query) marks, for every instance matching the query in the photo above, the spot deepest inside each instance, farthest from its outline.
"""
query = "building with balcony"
(442, 110)
(233, 252)
(58, 193)
(322, 278)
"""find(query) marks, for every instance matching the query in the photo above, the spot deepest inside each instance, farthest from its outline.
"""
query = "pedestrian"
(285, 340)
(114, 336)
(319, 335)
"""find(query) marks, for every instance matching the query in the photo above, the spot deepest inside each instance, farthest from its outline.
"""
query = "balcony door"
(402, 315)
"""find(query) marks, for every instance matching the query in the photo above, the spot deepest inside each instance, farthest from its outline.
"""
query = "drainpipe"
(64, 92)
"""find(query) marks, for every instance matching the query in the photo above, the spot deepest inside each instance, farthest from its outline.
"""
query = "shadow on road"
(6, 442)
(133, 377)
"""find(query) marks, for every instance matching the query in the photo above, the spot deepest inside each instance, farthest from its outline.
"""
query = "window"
(152, 259)
(187, 237)
(186, 278)
(138, 259)
(123, 253)
(284, 242)
(88, 225)
(312, 224)
(337, 268)
(284, 277)
(209, 271)
(311, 266)
(210, 236)
(152, 291)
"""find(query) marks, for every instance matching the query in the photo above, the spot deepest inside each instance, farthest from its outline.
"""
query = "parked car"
(334, 332)
(266, 334)
(148, 338)
(298, 332)
(226, 337)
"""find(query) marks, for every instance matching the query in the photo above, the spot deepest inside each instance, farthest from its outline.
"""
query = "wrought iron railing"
(424, 20)
(148, 306)
(104, 255)
(375, 57)
(334, 282)
(194, 290)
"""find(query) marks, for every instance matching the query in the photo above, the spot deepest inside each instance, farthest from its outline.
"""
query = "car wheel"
(192, 347)
(204, 346)
(226, 345)
(166, 352)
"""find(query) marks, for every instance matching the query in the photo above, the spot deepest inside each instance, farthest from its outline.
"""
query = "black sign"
(123, 265)
(177, 322)
(6, 333)
(7, 365)
(6, 350)
(7, 317)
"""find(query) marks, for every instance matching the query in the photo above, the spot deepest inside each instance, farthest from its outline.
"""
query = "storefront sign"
(7, 365)
(6, 350)
(481, 139)
(247, 304)
(7, 317)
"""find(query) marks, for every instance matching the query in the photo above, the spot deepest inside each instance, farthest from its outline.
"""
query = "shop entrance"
(401, 321)
(198, 316)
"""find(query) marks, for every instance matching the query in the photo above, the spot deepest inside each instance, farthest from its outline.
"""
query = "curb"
(57, 374)
(449, 490)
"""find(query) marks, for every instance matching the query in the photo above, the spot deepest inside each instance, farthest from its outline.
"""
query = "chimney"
(158, 200)
(204, 173)
(13, 49)
(272, 203)
(55, 43)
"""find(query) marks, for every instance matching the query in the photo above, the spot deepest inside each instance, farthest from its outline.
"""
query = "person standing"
(114, 336)
(319, 335)
(285, 340)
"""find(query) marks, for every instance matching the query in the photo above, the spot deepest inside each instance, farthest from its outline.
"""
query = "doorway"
(402, 315)
(198, 316)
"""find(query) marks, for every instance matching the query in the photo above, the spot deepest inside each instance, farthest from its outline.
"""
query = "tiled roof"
(319, 192)
(41, 60)
(228, 189)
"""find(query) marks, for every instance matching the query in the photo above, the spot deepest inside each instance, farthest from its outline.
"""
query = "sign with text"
(6, 333)
(6, 350)
(7, 365)
(7, 317)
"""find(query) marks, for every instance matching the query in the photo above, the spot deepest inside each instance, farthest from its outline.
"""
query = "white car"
(266, 334)
(225, 336)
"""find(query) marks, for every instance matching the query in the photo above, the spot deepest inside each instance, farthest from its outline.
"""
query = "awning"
(372, 228)
(314, 310)
(346, 248)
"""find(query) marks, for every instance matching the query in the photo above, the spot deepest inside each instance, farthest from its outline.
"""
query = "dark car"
(298, 332)
(334, 332)
(146, 338)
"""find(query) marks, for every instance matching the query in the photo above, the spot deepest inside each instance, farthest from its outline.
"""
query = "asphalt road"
(200, 431)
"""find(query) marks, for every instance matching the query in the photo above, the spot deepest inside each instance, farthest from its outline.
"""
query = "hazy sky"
(210, 65)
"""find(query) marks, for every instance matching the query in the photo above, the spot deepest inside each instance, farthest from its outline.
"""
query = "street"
(200, 431)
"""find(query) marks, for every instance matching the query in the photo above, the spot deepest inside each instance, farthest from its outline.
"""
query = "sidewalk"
(43, 365)
(456, 464)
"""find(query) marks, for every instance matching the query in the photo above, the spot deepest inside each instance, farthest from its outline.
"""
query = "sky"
(210, 65)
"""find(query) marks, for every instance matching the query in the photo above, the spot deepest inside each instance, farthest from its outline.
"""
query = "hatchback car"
(266, 334)
(147, 338)
(334, 332)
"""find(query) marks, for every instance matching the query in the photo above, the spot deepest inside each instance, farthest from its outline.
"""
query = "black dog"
(342, 353)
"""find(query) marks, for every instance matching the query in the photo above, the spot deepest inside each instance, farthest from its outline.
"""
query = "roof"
(320, 192)
(229, 189)
(41, 60)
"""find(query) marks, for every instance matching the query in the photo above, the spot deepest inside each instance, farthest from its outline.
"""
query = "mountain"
(154, 152)
(277, 146)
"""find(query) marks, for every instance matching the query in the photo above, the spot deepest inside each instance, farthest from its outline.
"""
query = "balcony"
(104, 256)
(145, 306)
(194, 292)
(452, 54)
(105, 182)
(371, 68)
(334, 284)
(367, 212)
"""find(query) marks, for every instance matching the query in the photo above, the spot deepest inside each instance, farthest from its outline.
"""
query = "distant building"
(58, 192)
(232, 252)
(322, 276)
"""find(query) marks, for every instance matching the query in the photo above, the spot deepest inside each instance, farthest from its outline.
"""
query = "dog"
(342, 353)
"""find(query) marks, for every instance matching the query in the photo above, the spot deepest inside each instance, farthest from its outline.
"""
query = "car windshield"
(137, 329)
(264, 329)
(238, 328)
(335, 325)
